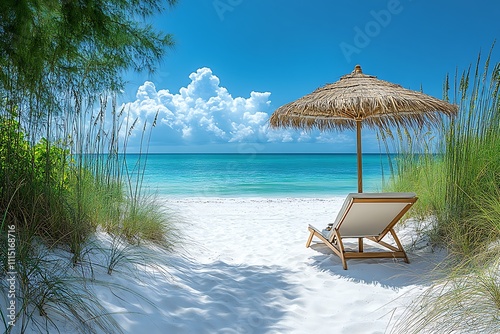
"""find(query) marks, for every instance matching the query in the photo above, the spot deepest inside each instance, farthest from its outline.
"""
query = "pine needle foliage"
(63, 173)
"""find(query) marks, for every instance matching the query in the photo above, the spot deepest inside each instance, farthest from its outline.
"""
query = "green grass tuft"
(458, 183)
(58, 194)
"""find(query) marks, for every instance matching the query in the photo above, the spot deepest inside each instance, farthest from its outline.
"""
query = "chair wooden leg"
(309, 240)
(341, 252)
(344, 262)
(360, 242)
(400, 246)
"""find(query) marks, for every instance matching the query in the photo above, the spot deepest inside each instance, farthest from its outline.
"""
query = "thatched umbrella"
(358, 100)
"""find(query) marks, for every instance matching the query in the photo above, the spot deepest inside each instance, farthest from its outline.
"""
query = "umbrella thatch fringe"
(359, 97)
(338, 123)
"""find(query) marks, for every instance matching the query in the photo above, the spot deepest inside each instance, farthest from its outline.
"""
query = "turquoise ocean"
(260, 175)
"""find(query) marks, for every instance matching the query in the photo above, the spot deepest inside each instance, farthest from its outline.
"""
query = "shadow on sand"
(391, 273)
(218, 297)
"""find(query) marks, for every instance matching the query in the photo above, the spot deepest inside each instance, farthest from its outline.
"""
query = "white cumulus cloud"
(204, 112)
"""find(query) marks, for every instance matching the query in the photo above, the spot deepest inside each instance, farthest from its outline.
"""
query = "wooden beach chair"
(366, 216)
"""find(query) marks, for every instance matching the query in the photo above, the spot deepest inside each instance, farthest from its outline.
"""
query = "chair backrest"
(372, 214)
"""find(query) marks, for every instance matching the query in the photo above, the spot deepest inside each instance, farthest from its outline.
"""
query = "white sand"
(244, 268)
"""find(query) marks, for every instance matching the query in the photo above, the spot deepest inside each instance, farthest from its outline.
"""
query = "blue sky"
(236, 61)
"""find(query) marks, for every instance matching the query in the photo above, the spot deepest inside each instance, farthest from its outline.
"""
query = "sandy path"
(244, 268)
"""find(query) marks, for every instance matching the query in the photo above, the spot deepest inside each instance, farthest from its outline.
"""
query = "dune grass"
(458, 183)
(467, 301)
(63, 139)
(58, 193)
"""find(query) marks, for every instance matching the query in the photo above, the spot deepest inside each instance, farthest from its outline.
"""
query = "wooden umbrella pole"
(360, 158)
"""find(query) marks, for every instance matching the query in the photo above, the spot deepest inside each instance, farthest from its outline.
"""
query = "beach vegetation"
(457, 179)
(467, 300)
(63, 140)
